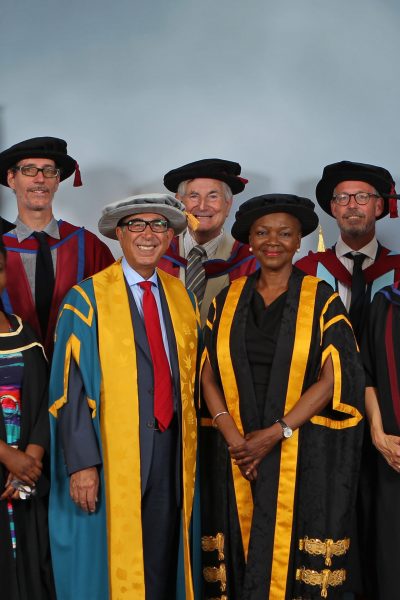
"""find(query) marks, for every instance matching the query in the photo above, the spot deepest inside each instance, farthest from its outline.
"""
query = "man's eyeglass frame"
(32, 171)
(361, 198)
(156, 225)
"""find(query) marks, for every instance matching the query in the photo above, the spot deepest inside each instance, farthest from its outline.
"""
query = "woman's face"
(2, 272)
(274, 239)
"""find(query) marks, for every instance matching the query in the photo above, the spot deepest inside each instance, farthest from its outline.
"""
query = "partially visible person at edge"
(123, 420)
(25, 566)
(46, 257)
(206, 257)
(285, 386)
(357, 266)
(381, 353)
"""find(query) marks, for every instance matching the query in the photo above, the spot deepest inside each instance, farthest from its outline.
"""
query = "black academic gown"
(29, 576)
(381, 354)
(306, 485)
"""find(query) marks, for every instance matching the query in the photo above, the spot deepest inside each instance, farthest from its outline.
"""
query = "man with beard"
(357, 267)
(45, 257)
(356, 195)
(206, 258)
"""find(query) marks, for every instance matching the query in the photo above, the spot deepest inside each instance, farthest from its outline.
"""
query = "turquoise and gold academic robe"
(100, 555)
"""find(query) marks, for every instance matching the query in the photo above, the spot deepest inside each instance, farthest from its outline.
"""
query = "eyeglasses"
(359, 197)
(32, 171)
(139, 225)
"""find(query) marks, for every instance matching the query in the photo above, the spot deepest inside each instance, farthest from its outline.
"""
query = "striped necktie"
(195, 273)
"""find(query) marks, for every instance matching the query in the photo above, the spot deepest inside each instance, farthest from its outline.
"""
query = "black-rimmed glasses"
(32, 171)
(360, 197)
(139, 225)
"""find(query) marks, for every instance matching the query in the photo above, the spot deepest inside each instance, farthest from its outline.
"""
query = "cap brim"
(173, 181)
(307, 217)
(64, 162)
(109, 221)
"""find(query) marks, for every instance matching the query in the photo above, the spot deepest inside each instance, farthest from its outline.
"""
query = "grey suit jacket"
(78, 438)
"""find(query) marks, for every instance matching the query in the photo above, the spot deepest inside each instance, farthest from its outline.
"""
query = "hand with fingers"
(24, 467)
(389, 447)
(83, 488)
(256, 445)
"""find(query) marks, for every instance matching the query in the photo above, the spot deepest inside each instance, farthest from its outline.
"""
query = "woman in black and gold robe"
(284, 385)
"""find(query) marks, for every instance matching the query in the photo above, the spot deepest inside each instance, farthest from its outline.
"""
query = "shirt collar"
(133, 277)
(370, 250)
(23, 232)
(210, 247)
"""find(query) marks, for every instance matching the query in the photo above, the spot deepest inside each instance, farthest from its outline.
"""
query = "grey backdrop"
(137, 88)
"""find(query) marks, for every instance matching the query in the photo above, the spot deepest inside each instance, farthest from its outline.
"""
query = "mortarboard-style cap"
(208, 168)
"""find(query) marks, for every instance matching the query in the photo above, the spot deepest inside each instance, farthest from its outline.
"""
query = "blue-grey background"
(137, 88)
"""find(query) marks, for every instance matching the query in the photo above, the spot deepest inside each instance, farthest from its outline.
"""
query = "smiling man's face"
(206, 200)
(34, 194)
(144, 249)
(357, 221)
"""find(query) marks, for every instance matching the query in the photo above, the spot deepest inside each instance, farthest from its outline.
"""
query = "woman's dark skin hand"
(25, 467)
(256, 446)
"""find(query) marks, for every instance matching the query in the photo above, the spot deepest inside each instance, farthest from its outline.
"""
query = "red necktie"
(163, 404)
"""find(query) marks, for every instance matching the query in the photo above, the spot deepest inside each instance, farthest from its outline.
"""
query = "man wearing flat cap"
(123, 419)
(356, 195)
(45, 257)
(207, 258)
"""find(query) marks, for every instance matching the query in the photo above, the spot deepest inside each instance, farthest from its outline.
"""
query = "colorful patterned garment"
(11, 370)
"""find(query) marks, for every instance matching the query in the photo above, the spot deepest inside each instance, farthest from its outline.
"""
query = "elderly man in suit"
(206, 257)
(123, 418)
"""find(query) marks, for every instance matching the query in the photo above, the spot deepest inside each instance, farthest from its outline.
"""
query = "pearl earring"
(250, 248)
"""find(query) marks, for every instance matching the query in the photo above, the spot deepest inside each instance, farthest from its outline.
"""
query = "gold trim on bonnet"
(327, 548)
(324, 578)
(210, 543)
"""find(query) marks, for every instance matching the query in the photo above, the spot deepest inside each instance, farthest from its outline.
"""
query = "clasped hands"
(22, 466)
(255, 446)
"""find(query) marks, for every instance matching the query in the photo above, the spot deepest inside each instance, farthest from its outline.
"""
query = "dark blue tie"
(44, 281)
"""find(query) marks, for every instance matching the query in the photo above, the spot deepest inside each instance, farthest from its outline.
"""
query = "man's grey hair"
(225, 188)
(374, 192)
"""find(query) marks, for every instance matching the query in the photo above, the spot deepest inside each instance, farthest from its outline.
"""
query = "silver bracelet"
(223, 412)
